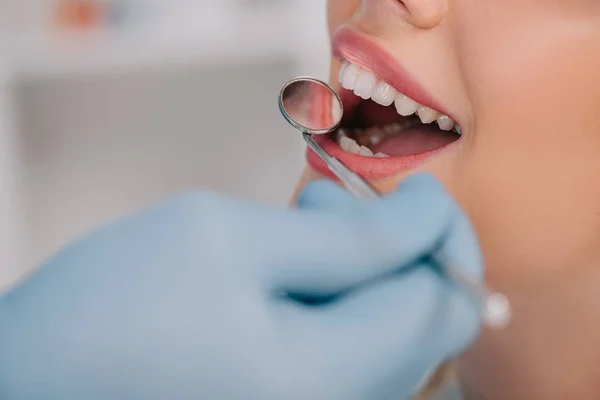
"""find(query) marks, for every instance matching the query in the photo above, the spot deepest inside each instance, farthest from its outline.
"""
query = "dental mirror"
(314, 108)
(311, 106)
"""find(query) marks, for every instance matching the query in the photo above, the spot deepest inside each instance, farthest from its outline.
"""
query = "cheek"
(340, 11)
(533, 173)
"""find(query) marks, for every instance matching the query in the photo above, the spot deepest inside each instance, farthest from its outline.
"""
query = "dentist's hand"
(186, 302)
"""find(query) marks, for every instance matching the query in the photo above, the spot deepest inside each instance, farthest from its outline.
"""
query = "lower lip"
(367, 167)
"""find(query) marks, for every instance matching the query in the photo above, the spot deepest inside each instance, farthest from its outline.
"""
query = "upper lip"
(354, 47)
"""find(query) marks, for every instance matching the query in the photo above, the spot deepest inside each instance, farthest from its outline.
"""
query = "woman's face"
(522, 80)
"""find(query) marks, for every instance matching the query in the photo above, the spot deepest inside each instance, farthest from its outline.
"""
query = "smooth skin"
(522, 76)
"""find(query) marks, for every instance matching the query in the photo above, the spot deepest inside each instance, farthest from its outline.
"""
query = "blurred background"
(107, 106)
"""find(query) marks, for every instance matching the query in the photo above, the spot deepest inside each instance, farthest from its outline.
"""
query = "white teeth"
(392, 128)
(405, 105)
(339, 134)
(445, 123)
(427, 115)
(354, 147)
(375, 140)
(349, 145)
(374, 130)
(365, 83)
(342, 70)
(346, 143)
(365, 151)
(337, 111)
(384, 94)
(350, 74)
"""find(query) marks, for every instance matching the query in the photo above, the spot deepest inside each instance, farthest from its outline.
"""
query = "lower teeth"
(350, 145)
(362, 139)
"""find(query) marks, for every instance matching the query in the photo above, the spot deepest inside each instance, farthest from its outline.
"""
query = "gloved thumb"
(325, 195)
(325, 252)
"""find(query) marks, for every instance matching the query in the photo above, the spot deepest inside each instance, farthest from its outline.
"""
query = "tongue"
(418, 139)
(415, 140)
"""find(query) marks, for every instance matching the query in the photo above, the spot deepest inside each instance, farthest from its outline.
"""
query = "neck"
(550, 351)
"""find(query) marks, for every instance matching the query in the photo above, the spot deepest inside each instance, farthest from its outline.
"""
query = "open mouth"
(387, 123)
(384, 131)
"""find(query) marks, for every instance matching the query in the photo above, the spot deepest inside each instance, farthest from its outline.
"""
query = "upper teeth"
(366, 85)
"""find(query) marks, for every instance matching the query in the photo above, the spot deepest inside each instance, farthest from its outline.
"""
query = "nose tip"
(424, 14)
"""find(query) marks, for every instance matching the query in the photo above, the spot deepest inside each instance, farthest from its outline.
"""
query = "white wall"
(81, 149)
(11, 222)
(97, 148)
(93, 132)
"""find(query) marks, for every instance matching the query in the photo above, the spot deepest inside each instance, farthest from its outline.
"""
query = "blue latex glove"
(185, 302)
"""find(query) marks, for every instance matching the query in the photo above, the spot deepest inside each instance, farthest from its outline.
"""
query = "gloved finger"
(324, 194)
(325, 252)
(394, 330)
(459, 246)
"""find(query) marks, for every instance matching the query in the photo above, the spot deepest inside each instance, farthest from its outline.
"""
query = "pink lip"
(368, 167)
(351, 46)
